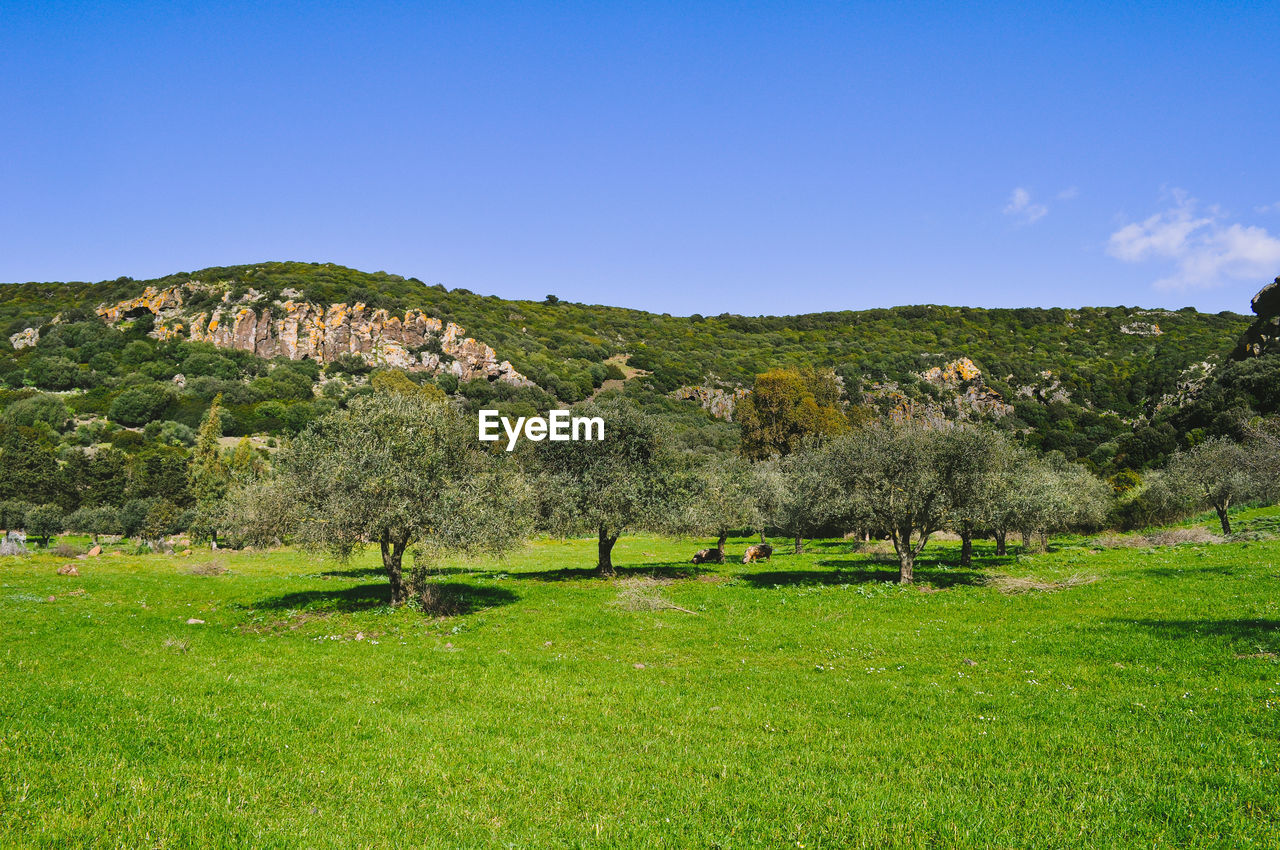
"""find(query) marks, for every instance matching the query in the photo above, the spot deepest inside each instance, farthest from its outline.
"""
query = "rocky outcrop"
(719, 402)
(1141, 329)
(302, 330)
(1263, 336)
(963, 396)
(25, 339)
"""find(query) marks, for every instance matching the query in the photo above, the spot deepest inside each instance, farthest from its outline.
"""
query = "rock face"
(25, 339)
(302, 330)
(1141, 329)
(719, 402)
(1263, 336)
(965, 397)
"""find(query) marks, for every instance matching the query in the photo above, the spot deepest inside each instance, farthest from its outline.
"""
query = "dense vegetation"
(1081, 381)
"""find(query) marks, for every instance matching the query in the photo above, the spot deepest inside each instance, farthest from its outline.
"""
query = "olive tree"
(45, 521)
(400, 470)
(629, 480)
(975, 463)
(1045, 494)
(796, 495)
(1216, 474)
(891, 475)
(722, 499)
(103, 519)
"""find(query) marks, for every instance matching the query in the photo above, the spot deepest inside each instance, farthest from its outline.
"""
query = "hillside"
(1075, 380)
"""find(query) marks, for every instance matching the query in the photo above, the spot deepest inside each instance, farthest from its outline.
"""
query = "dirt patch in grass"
(643, 593)
(215, 567)
(1031, 584)
(1164, 537)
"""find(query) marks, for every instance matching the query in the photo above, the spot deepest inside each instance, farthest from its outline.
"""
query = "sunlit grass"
(804, 701)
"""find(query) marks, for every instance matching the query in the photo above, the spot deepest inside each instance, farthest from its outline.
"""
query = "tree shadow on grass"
(663, 569)
(458, 597)
(1254, 631)
(861, 573)
(1183, 572)
(354, 572)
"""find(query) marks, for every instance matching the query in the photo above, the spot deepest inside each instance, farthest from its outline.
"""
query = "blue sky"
(741, 157)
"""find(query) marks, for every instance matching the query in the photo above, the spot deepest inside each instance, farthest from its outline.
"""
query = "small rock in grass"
(971, 662)
(95, 551)
(68, 570)
(638, 666)
(194, 622)
(51, 599)
(359, 635)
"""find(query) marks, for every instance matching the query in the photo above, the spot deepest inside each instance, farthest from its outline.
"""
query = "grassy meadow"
(804, 702)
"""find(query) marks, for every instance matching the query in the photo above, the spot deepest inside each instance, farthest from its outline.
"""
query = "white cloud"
(1069, 194)
(1022, 208)
(1268, 208)
(1204, 249)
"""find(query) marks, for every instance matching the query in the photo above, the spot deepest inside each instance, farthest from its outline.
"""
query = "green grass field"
(805, 702)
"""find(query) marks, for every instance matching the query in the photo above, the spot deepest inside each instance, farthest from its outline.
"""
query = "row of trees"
(404, 471)
(402, 468)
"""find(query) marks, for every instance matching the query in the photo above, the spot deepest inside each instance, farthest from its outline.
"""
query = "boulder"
(1263, 336)
(68, 570)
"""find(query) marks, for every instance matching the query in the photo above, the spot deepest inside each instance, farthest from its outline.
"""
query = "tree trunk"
(966, 548)
(1001, 549)
(762, 540)
(906, 565)
(1026, 540)
(906, 557)
(799, 545)
(1044, 541)
(1223, 518)
(604, 562)
(724, 535)
(392, 557)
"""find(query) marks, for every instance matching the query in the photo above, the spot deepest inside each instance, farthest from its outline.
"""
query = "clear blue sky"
(743, 157)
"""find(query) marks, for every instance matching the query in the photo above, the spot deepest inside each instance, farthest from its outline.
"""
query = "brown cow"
(708, 556)
(758, 552)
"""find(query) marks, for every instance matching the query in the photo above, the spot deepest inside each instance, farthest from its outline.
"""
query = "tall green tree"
(208, 472)
(975, 466)
(1217, 474)
(723, 499)
(628, 481)
(400, 470)
(787, 410)
(892, 475)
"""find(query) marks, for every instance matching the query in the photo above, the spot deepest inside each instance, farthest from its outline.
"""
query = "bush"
(48, 409)
(45, 521)
(139, 405)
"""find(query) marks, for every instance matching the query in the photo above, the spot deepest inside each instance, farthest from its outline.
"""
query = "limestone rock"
(95, 551)
(964, 396)
(68, 570)
(25, 338)
(302, 330)
(719, 402)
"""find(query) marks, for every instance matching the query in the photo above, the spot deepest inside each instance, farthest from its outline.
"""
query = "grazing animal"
(708, 556)
(758, 552)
